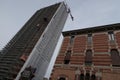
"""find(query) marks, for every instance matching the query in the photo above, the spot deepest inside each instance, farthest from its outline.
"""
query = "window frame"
(67, 57)
(89, 38)
(72, 39)
(115, 57)
(111, 36)
(88, 60)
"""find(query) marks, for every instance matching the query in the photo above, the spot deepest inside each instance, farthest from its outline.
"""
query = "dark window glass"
(115, 58)
(81, 76)
(62, 78)
(93, 77)
(67, 57)
(87, 76)
(66, 61)
(45, 19)
(88, 57)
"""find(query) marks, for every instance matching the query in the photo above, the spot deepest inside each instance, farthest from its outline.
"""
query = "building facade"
(29, 52)
(89, 54)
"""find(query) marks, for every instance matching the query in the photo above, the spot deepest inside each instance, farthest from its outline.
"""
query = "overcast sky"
(87, 13)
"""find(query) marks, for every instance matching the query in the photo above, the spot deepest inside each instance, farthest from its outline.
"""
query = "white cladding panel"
(44, 49)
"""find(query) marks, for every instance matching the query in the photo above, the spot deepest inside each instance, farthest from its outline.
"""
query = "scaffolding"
(16, 52)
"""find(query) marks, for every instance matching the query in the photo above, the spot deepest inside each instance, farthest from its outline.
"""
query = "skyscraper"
(89, 54)
(29, 52)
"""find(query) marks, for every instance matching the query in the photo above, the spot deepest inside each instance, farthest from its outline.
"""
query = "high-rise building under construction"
(29, 52)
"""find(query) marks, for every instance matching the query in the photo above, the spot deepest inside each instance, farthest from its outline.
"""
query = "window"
(89, 39)
(87, 76)
(67, 57)
(45, 19)
(62, 78)
(72, 39)
(66, 61)
(111, 36)
(115, 58)
(93, 77)
(88, 57)
(81, 76)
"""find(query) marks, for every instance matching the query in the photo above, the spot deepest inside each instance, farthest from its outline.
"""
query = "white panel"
(43, 51)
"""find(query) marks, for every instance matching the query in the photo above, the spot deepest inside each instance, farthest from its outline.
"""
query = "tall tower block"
(32, 47)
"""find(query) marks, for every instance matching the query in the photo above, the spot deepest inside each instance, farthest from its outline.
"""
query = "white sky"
(87, 13)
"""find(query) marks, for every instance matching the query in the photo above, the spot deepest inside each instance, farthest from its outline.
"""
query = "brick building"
(89, 54)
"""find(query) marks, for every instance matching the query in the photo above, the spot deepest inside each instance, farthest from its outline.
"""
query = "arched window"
(88, 57)
(115, 57)
(62, 78)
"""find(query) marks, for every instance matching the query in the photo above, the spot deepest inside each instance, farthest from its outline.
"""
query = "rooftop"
(110, 27)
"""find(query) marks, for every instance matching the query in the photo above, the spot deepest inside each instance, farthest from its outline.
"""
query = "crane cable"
(69, 10)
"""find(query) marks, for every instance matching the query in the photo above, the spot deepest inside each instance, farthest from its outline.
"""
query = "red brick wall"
(117, 35)
(77, 59)
(110, 76)
(100, 43)
(59, 59)
(63, 49)
(79, 44)
(65, 44)
(101, 60)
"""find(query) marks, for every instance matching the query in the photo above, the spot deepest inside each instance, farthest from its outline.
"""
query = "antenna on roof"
(68, 10)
